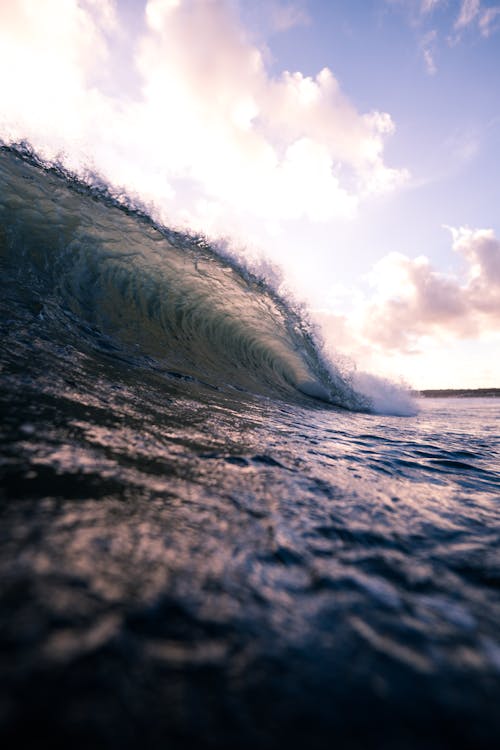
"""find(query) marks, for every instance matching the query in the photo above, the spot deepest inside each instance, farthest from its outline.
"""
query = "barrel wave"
(102, 266)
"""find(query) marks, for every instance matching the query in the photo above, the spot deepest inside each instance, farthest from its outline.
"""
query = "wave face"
(104, 268)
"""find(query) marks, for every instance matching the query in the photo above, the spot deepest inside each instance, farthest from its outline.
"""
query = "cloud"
(418, 14)
(428, 6)
(486, 20)
(417, 10)
(51, 51)
(414, 317)
(427, 47)
(287, 16)
(471, 16)
(104, 11)
(210, 126)
(285, 146)
(469, 9)
(412, 300)
(489, 21)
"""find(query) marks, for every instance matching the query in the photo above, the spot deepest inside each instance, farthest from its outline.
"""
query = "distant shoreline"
(460, 393)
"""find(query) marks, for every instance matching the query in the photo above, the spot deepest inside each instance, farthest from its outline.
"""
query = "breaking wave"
(100, 265)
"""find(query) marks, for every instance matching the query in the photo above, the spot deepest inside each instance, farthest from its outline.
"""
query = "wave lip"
(163, 293)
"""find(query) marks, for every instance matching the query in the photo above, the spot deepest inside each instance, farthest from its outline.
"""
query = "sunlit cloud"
(413, 317)
(210, 126)
(45, 95)
(411, 303)
(104, 11)
(289, 146)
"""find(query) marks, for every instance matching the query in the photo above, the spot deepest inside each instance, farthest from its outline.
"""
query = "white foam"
(385, 396)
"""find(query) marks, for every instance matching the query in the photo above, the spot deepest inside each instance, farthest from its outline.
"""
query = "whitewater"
(209, 538)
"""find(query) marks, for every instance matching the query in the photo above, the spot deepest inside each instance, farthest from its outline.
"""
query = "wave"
(105, 266)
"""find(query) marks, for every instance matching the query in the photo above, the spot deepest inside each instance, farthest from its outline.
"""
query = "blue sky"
(447, 123)
(356, 144)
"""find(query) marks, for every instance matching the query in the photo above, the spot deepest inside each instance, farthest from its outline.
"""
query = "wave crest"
(104, 262)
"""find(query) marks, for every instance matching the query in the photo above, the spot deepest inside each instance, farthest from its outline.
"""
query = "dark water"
(193, 552)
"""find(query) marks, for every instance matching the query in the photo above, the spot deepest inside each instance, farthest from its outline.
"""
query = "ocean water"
(208, 537)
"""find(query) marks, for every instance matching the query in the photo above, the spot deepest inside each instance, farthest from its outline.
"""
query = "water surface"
(194, 552)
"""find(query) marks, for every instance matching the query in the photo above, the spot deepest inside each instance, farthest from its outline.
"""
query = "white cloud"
(469, 9)
(50, 51)
(104, 11)
(211, 125)
(468, 15)
(414, 316)
(428, 46)
(428, 6)
(411, 301)
(249, 128)
(486, 20)
(489, 22)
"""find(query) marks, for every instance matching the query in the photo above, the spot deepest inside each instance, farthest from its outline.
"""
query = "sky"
(355, 144)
